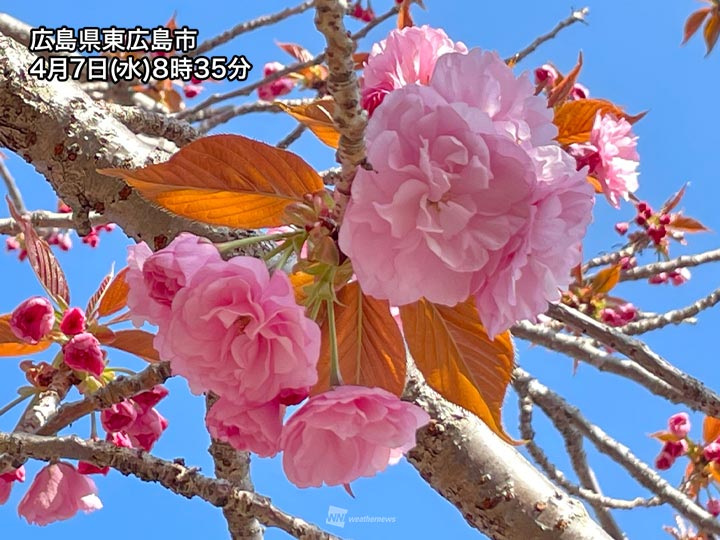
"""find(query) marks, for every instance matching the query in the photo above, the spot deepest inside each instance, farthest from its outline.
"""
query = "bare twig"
(291, 137)
(685, 261)
(247, 26)
(214, 117)
(577, 15)
(185, 481)
(561, 413)
(12, 188)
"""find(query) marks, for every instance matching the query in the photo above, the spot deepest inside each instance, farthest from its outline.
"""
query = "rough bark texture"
(494, 487)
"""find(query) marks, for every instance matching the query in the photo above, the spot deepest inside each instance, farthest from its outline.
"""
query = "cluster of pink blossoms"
(231, 328)
(469, 195)
(278, 87)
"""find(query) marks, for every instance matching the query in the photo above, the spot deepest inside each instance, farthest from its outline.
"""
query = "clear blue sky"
(632, 56)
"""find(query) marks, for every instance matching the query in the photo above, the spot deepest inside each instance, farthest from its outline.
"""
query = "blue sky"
(632, 56)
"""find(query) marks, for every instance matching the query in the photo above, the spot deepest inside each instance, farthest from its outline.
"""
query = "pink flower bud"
(711, 452)
(64, 242)
(32, 320)
(83, 353)
(147, 400)
(119, 416)
(678, 277)
(146, 429)
(546, 75)
(73, 321)
(627, 312)
(675, 449)
(579, 91)
(88, 468)
(192, 90)
(276, 88)
(6, 482)
(11, 243)
(679, 425)
(622, 227)
(713, 506)
(119, 439)
(658, 279)
(664, 461)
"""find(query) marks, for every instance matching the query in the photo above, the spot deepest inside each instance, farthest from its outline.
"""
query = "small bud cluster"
(364, 14)
(619, 315)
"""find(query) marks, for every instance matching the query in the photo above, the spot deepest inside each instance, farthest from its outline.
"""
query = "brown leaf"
(11, 345)
(42, 260)
(562, 89)
(575, 119)
(711, 429)
(137, 342)
(459, 361)
(712, 30)
(404, 17)
(92, 304)
(318, 117)
(606, 279)
(298, 52)
(673, 201)
(226, 180)
(693, 22)
(686, 224)
(115, 296)
(370, 347)
(359, 59)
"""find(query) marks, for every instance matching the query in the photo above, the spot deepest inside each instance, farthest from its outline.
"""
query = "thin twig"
(291, 137)
(12, 188)
(214, 117)
(561, 413)
(576, 16)
(684, 261)
(247, 26)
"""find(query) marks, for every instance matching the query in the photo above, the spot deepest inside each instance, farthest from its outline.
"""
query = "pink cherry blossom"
(579, 91)
(83, 353)
(713, 506)
(611, 156)
(545, 77)
(675, 449)
(6, 482)
(238, 331)
(712, 451)
(407, 56)
(679, 425)
(148, 399)
(155, 278)
(254, 429)
(147, 428)
(276, 88)
(664, 461)
(73, 321)
(33, 319)
(345, 433)
(531, 274)
(459, 191)
(119, 416)
(57, 493)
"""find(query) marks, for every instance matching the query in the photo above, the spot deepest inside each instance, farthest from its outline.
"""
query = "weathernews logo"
(338, 516)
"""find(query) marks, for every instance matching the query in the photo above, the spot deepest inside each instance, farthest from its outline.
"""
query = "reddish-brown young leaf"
(10, 345)
(711, 31)
(370, 347)
(137, 342)
(693, 22)
(459, 361)
(114, 297)
(711, 429)
(664, 436)
(359, 59)
(575, 119)
(562, 89)
(298, 52)
(686, 224)
(606, 279)
(404, 18)
(42, 260)
(318, 117)
(226, 180)
(673, 201)
(92, 304)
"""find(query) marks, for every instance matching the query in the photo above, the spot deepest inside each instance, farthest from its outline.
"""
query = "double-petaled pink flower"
(33, 319)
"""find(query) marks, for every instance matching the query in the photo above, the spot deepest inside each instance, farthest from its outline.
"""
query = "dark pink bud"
(83, 353)
(712, 451)
(146, 429)
(713, 506)
(293, 396)
(658, 279)
(622, 227)
(579, 91)
(147, 400)
(33, 319)
(11, 243)
(664, 461)
(679, 425)
(73, 321)
(88, 468)
(192, 90)
(119, 416)
(675, 449)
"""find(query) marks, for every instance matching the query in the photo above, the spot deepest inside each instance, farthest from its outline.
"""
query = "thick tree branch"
(179, 479)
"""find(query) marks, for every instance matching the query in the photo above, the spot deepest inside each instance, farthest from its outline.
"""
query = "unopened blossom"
(279, 87)
(675, 449)
(237, 331)
(713, 506)
(679, 425)
(6, 482)
(579, 91)
(73, 321)
(83, 353)
(664, 461)
(155, 278)
(545, 77)
(255, 429)
(148, 399)
(611, 156)
(680, 276)
(347, 433)
(58, 492)
(119, 415)
(147, 428)
(407, 56)
(33, 319)
(711, 452)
